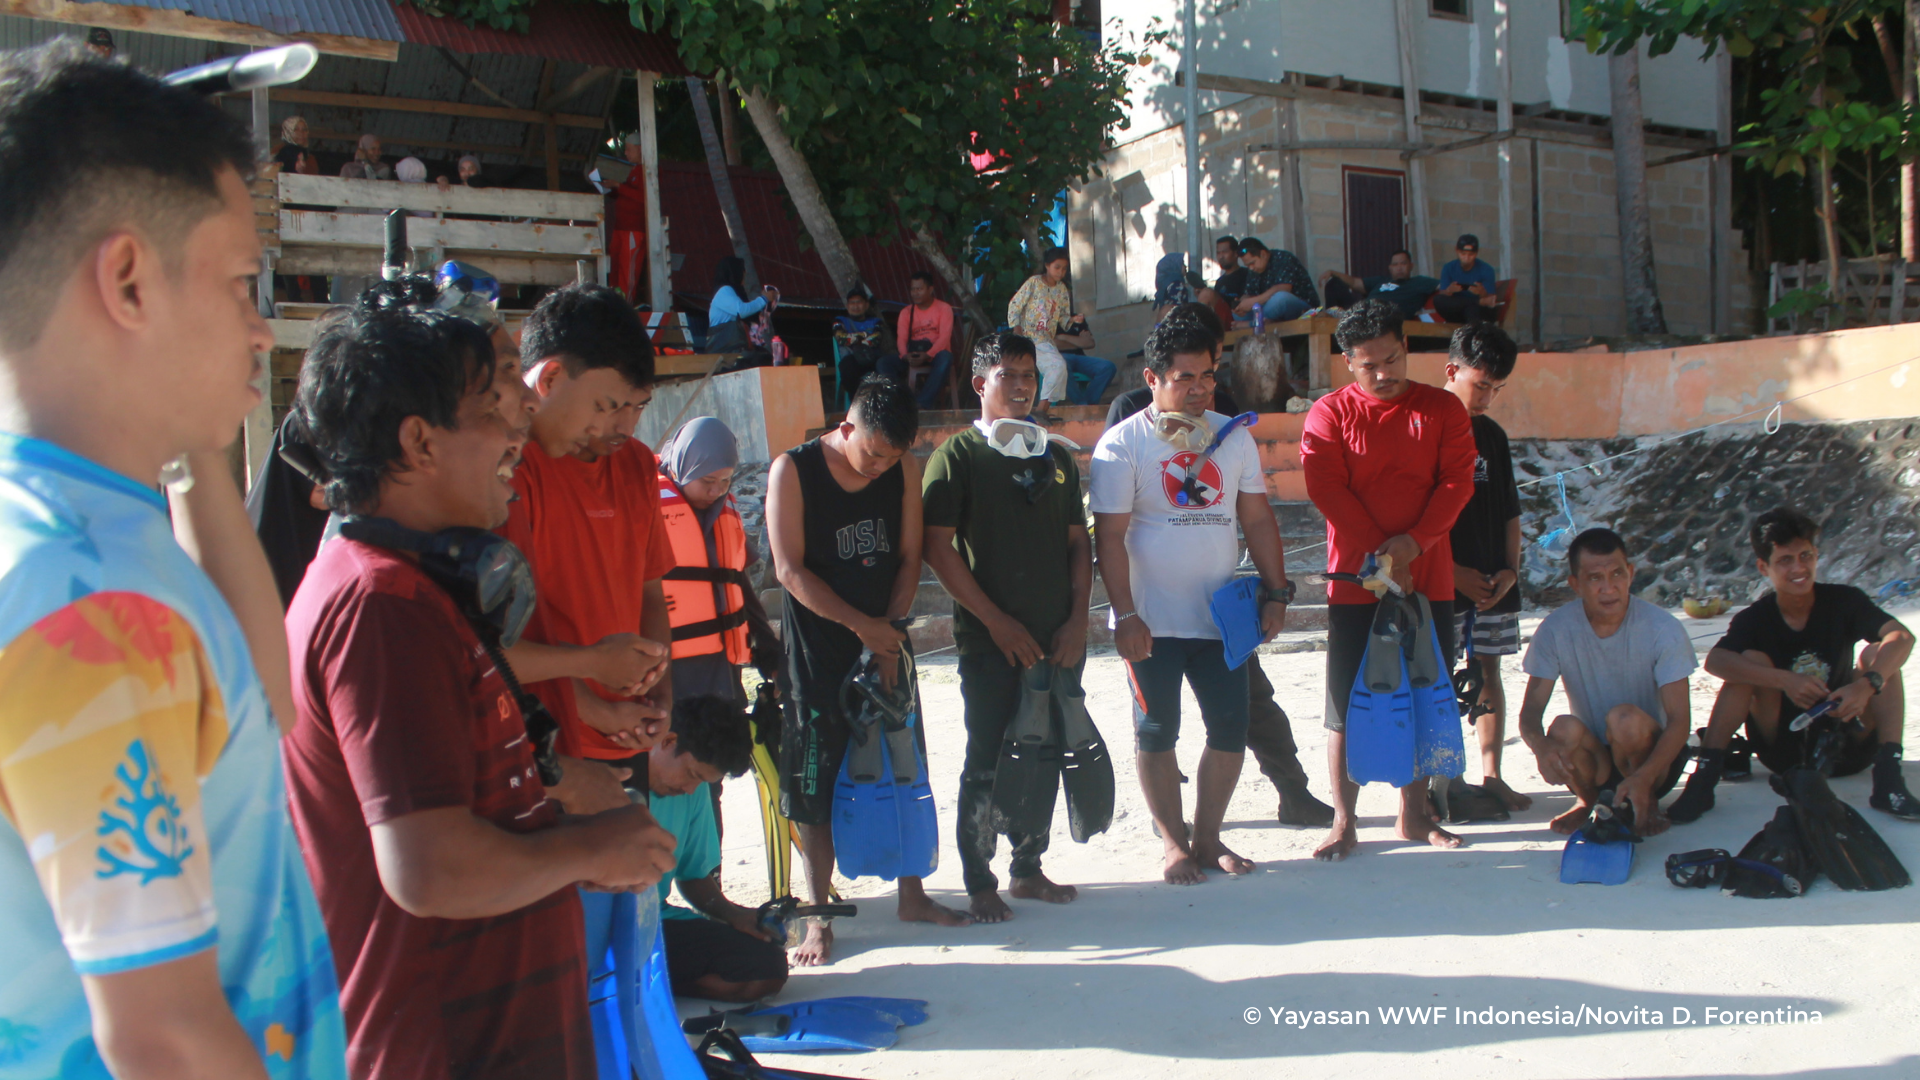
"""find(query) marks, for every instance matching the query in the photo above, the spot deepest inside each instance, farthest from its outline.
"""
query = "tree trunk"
(1642, 295)
(957, 280)
(804, 190)
(1030, 231)
(1909, 170)
(729, 126)
(1830, 237)
(722, 182)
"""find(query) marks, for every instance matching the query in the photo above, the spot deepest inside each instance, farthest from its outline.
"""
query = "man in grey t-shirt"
(1625, 663)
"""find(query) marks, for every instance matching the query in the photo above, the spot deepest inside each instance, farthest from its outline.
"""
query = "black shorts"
(1793, 749)
(1348, 626)
(698, 948)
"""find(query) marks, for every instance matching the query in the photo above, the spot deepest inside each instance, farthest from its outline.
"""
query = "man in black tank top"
(843, 520)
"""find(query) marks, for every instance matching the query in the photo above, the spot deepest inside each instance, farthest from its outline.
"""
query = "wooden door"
(1376, 211)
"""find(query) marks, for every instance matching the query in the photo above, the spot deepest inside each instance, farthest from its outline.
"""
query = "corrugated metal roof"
(347, 18)
(585, 33)
(696, 230)
(157, 53)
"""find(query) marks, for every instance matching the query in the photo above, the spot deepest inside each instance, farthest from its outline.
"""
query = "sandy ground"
(1141, 978)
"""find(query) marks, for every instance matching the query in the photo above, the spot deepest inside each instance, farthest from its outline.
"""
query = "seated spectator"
(469, 171)
(862, 336)
(100, 42)
(294, 156)
(1399, 288)
(925, 337)
(717, 950)
(729, 313)
(366, 157)
(1073, 341)
(1277, 283)
(1466, 285)
(1042, 310)
(1231, 285)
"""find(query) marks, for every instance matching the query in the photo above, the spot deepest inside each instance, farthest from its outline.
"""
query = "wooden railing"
(535, 237)
(1872, 292)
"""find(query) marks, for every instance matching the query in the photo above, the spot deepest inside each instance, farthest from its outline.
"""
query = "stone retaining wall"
(1684, 506)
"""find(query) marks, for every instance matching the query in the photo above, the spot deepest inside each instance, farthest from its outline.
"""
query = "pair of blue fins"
(883, 818)
(824, 1025)
(1403, 722)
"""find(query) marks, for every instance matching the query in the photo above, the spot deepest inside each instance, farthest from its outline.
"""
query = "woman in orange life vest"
(718, 623)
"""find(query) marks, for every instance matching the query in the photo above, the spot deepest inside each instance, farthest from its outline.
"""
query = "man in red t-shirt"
(1389, 462)
(445, 874)
(587, 517)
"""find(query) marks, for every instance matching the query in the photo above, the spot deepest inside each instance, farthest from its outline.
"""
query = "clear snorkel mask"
(1022, 439)
(1183, 432)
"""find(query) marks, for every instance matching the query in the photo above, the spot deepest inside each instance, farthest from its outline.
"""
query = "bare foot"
(1654, 824)
(1340, 841)
(923, 909)
(1513, 799)
(988, 907)
(815, 949)
(1213, 854)
(1422, 829)
(1038, 887)
(1571, 821)
(1182, 869)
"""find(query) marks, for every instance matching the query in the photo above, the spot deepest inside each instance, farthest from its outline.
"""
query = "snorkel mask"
(1183, 432)
(481, 568)
(1022, 439)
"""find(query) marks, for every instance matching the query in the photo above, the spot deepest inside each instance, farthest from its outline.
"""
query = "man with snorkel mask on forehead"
(1006, 535)
(1169, 501)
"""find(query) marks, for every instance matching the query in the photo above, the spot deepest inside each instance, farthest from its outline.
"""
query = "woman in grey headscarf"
(718, 624)
(712, 600)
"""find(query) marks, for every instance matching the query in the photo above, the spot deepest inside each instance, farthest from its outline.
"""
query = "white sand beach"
(1139, 978)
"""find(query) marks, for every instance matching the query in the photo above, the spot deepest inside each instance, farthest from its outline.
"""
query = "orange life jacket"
(699, 626)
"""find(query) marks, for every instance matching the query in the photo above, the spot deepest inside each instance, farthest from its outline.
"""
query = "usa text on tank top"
(852, 537)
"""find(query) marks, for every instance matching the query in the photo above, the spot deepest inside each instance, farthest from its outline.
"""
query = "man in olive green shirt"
(1007, 535)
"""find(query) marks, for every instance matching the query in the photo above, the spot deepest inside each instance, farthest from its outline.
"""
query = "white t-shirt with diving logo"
(1182, 547)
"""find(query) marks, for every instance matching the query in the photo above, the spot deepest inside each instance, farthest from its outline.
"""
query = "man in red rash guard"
(1389, 462)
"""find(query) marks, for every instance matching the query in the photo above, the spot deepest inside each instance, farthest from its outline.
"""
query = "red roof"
(583, 32)
(696, 229)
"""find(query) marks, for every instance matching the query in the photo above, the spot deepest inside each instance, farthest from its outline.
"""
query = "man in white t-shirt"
(1166, 542)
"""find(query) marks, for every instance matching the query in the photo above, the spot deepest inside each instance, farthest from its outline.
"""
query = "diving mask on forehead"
(1183, 432)
(1021, 439)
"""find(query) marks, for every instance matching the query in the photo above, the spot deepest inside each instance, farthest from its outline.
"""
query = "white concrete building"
(1304, 142)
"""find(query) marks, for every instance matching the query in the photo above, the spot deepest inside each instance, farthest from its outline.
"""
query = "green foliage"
(1802, 301)
(1816, 109)
(888, 98)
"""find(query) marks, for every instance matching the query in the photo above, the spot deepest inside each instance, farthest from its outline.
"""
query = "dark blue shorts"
(1156, 695)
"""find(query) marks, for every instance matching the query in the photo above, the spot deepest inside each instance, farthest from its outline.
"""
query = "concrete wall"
(769, 409)
(1865, 374)
(1264, 39)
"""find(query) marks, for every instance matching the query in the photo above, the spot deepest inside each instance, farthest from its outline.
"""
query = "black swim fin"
(1087, 771)
(1027, 778)
(1464, 803)
(1837, 838)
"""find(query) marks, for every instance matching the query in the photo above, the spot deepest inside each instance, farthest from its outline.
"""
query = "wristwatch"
(1875, 680)
(1282, 595)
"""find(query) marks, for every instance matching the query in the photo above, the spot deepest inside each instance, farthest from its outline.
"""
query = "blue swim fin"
(1438, 748)
(866, 814)
(1380, 722)
(884, 823)
(1584, 862)
(828, 1025)
(910, 1012)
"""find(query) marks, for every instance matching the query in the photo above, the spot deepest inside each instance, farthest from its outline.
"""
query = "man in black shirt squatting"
(1486, 540)
(1792, 649)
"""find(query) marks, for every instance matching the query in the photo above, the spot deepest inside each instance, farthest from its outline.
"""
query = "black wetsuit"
(853, 546)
